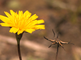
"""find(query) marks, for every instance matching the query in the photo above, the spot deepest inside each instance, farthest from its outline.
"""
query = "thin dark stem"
(18, 37)
(57, 51)
(19, 53)
(53, 32)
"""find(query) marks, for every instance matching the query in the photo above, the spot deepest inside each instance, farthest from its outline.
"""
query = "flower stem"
(18, 38)
(19, 52)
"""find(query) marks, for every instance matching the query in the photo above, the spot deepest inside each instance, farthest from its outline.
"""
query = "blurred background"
(63, 16)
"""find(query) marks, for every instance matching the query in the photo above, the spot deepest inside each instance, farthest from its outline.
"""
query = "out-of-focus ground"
(64, 16)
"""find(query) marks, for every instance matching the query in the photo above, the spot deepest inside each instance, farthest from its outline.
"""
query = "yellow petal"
(5, 24)
(36, 22)
(40, 26)
(20, 13)
(20, 31)
(14, 30)
(3, 18)
(27, 14)
(12, 12)
(8, 15)
(30, 30)
(29, 21)
(32, 23)
(33, 17)
(40, 21)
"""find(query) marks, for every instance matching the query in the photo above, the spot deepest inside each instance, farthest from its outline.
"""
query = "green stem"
(18, 38)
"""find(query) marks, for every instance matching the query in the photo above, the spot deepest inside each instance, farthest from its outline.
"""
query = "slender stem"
(19, 53)
(18, 38)
(57, 51)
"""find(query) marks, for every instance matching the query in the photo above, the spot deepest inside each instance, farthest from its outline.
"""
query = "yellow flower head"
(21, 22)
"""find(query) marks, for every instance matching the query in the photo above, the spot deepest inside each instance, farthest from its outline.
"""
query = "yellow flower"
(21, 22)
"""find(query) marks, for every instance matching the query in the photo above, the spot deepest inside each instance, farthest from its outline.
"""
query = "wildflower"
(21, 22)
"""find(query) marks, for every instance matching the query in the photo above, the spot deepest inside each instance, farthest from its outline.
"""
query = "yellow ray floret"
(20, 22)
